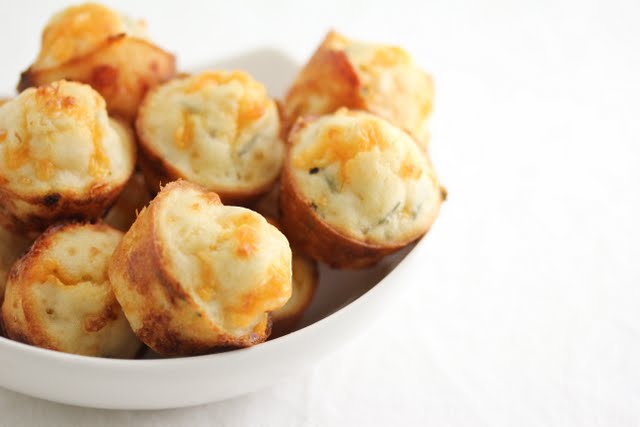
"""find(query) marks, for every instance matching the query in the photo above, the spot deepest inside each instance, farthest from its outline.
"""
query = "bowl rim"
(7, 344)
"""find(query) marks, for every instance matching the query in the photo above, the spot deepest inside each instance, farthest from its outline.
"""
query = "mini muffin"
(367, 76)
(193, 275)
(96, 45)
(59, 297)
(133, 198)
(303, 287)
(355, 188)
(61, 156)
(12, 246)
(218, 129)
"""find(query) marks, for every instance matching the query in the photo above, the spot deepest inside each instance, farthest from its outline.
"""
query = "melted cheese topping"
(391, 84)
(233, 263)
(218, 129)
(364, 177)
(68, 292)
(59, 137)
(79, 30)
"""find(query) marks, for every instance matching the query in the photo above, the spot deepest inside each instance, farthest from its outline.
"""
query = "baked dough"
(193, 275)
(218, 129)
(361, 75)
(59, 297)
(355, 188)
(61, 156)
(110, 51)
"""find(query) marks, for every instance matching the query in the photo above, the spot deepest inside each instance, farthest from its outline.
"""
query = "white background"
(527, 311)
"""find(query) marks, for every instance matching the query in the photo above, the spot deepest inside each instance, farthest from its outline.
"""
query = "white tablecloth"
(526, 312)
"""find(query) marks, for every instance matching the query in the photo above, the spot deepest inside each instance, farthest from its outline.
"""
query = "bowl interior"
(337, 288)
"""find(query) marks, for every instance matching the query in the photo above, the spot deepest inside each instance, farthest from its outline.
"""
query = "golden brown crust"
(122, 70)
(331, 80)
(308, 231)
(12, 247)
(37, 213)
(158, 173)
(306, 277)
(286, 323)
(30, 215)
(29, 331)
(162, 314)
(141, 267)
(328, 75)
(305, 281)
(24, 317)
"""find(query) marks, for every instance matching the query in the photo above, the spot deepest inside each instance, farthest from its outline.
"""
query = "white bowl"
(358, 296)
(347, 303)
